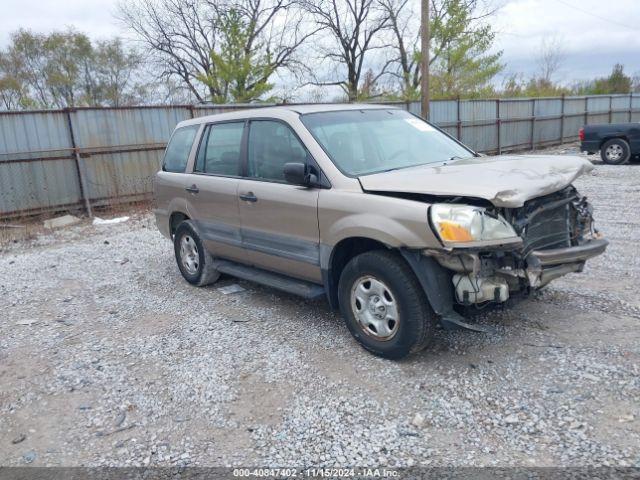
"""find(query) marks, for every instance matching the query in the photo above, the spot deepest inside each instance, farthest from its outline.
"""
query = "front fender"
(396, 222)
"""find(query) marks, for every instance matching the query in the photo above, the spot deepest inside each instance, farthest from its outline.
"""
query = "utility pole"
(424, 64)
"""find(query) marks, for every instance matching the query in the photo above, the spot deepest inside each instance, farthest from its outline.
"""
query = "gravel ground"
(107, 357)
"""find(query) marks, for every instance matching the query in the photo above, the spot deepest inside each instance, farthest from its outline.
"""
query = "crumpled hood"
(505, 180)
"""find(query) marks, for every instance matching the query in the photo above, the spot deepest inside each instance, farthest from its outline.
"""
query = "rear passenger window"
(177, 152)
(219, 152)
(271, 145)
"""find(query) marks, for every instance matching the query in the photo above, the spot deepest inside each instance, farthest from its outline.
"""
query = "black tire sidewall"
(616, 141)
(411, 310)
(185, 228)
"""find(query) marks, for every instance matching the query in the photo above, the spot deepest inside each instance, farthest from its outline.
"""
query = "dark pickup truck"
(617, 142)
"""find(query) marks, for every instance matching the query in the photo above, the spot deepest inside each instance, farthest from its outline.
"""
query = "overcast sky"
(595, 34)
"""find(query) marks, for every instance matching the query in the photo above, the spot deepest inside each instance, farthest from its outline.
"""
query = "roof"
(278, 110)
(332, 107)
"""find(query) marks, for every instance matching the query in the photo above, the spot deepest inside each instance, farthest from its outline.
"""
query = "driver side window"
(271, 145)
(345, 143)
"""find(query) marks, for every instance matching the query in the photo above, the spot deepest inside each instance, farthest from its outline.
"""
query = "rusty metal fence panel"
(121, 149)
(36, 170)
(77, 158)
(515, 125)
(634, 114)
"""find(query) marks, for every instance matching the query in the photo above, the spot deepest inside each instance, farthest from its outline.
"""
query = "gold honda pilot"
(398, 224)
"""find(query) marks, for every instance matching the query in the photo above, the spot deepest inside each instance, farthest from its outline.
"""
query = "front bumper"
(480, 278)
(546, 265)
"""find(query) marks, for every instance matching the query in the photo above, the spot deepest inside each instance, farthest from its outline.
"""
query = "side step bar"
(281, 282)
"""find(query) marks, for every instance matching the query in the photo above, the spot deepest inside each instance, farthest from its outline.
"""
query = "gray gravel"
(107, 357)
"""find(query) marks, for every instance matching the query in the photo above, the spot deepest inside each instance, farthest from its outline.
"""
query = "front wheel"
(384, 305)
(194, 261)
(615, 151)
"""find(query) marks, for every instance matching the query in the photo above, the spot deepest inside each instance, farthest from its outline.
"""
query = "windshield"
(371, 141)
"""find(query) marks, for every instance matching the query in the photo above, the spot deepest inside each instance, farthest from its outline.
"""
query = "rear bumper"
(590, 146)
(162, 222)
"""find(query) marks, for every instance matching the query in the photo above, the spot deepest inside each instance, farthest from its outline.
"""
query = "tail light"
(581, 134)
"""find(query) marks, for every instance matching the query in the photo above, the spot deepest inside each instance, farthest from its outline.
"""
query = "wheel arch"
(175, 219)
(334, 259)
(613, 136)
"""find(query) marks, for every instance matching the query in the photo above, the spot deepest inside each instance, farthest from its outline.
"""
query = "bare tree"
(635, 83)
(184, 36)
(405, 34)
(550, 58)
(179, 35)
(354, 27)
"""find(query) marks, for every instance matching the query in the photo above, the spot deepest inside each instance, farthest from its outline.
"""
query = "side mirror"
(298, 174)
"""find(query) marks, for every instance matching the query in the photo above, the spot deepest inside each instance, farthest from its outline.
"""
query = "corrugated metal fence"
(64, 159)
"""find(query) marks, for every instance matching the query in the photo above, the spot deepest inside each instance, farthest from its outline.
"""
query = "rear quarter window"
(178, 149)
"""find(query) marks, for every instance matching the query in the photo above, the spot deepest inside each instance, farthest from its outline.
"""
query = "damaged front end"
(556, 236)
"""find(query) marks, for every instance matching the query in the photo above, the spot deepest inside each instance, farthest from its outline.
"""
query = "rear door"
(212, 188)
(279, 220)
(169, 183)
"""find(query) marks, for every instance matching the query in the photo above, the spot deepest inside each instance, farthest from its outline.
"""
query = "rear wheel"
(384, 306)
(615, 151)
(194, 261)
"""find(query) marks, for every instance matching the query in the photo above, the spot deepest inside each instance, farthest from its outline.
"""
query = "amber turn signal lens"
(454, 232)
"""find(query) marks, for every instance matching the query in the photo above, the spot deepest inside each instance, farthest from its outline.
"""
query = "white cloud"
(94, 17)
(591, 45)
(594, 34)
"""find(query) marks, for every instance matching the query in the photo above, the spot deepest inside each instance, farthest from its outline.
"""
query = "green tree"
(616, 82)
(64, 69)
(241, 70)
(462, 64)
(68, 72)
(461, 61)
(117, 74)
(13, 89)
(25, 60)
(536, 86)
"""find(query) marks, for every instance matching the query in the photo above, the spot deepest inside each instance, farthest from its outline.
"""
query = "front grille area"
(548, 229)
(545, 222)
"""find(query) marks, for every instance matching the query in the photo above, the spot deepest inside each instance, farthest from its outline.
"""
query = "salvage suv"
(398, 224)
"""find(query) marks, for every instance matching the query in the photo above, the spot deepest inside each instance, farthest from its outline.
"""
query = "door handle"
(193, 189)
(248, 197)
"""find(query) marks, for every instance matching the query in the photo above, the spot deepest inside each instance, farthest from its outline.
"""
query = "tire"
(415, 322)
(197, 268)
(615, 151)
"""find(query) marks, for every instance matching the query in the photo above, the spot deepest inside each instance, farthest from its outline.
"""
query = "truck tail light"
(581, 134)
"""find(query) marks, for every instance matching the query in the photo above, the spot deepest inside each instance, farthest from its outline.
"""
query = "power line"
(597, 16)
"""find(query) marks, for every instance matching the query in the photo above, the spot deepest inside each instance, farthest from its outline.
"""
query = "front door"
(212, 189)
(279, 221)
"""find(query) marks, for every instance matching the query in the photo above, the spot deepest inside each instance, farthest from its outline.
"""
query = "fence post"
(562, 120)
(459, 122)
(630, 106)
(499, 124)
(79, 166)
(610, 108)
(586, 110)
(190, 108)
(533, 123)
